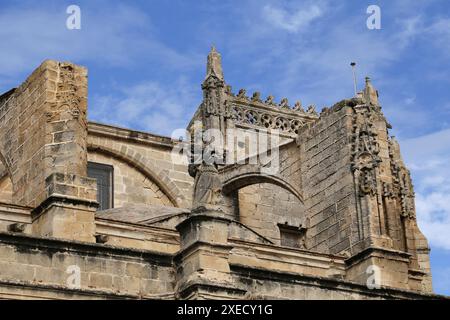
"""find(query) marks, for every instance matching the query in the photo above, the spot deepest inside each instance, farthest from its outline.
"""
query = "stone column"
(202, 263)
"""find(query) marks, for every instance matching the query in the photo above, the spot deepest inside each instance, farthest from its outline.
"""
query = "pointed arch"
(236, 177)
(250, 178)
(139, 162)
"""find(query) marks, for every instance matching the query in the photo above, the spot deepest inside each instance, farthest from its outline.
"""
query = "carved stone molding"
(264, 116)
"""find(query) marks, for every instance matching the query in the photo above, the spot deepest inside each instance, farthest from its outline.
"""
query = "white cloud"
(429, 151)
(433, 216)
(313, 64)
(148, 106)
(409, 28)
(431, 30)
(428, 158)
(118, 36)
(439, 30)
(293, 22)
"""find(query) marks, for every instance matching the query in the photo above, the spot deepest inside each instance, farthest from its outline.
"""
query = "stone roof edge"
(140, 137)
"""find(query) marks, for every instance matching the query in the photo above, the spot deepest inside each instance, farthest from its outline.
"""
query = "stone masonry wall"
(5, 189)
(130, 185)
(328, 187)
(263, 206)
(143, 162)
(49, 264)
(43, 129)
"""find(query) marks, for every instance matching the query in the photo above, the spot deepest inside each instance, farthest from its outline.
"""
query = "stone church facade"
(92, 211)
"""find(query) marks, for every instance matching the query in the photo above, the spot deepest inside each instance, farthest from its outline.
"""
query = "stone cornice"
(379, 252)
(58, 199)
(84, 248)
(329, 283)
(129, 135)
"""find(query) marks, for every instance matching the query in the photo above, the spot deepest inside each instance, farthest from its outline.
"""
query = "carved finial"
(370, 93)
(242, 94)
(360, 95)
(269, 100)
(256, 97)
(298, 106)
(311, 109)
(229, 90)
(214, 64)
(284, 104)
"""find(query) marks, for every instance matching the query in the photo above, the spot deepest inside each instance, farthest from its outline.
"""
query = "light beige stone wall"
(14, 214)
(264, 284)
(43, 129)
(5, 189)
(328, 187)
(103, 270)
(263, 206)
(144, 165)
(130, 185)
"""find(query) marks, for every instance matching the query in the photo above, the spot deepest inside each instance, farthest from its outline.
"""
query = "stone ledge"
(202, 215)
(140, 137)
(190, 289)
(14, 213)
(329, 283)
(378, 252)
(53, 245)
(293, 251)
(27, 285)
(60, 198)
(197, 246)
(138, 230)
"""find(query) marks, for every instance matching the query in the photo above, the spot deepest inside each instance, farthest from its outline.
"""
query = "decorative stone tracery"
(267, 119)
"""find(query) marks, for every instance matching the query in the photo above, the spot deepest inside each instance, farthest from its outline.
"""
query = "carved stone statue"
(298, 106)
(269, 100)
(284, 104)
(229, 90)
(207, 187)
(256, 97)
(242, 94)
(311, 109)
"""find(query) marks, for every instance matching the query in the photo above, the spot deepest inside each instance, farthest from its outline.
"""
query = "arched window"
(104, 174)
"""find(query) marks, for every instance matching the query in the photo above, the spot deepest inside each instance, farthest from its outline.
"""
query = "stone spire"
(370, 93)
(207, 183)
(214, 65)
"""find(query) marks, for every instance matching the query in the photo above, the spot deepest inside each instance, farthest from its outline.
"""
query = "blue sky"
(146, 61)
